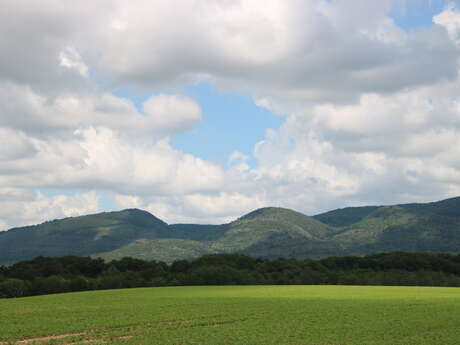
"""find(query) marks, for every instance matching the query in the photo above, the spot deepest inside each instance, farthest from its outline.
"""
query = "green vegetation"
(431, 227)
(53, 275)
(163, 249)
(281, 315)
(79, 235)
(267, 233)
(345, 216)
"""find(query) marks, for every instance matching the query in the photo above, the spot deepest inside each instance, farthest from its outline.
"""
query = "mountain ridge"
(266, 232)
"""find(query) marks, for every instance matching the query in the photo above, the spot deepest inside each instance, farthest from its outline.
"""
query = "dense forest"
(44, 275)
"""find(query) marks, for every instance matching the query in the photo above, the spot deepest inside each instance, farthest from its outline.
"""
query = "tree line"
(46, 275)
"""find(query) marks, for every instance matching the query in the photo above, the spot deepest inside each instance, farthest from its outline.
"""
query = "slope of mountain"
(267, 232)
(273, 232)
(260, 233)
(84, 235)
(433, 227)
(345, 216)
(162, 249)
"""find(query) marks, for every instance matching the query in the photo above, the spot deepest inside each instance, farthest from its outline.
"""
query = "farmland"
(320, 315)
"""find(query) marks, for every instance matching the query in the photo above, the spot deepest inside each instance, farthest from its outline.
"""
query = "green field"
(332, 315)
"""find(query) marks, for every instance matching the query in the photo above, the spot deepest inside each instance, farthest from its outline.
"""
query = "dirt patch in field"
(44, 339)
(92, 338)
(98, 340)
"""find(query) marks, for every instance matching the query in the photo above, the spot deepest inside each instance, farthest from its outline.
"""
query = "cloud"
(450, 20)
(20, 207)
(38, 115)
(102, 158)
(216, 208)
(238, 161)
(384, 149)
(37, 41)
(14, 145)
(171, 112)
(372, 111)
(71, 59)
(296, 51)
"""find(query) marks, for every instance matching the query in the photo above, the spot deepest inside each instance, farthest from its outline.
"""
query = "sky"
(203, 110)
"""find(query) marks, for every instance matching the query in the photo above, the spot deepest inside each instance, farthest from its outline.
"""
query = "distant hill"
(83, 235)
(431, 227)
(268, 232)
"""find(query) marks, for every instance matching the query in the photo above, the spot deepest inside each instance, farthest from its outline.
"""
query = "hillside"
(345, 216)
(267, 232)
(433, 227)
(83, 235)
(277, 232)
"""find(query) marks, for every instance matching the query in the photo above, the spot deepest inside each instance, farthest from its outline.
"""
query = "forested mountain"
(268, 232)
(84, 235)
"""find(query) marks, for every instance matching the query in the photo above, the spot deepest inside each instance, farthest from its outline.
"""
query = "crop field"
(317, 315)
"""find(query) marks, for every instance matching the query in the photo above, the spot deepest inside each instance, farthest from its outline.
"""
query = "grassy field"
(319, 315)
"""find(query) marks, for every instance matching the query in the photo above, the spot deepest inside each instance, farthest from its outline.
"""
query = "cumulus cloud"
(292, 51)
(100, 157)
(372, 111)
(217, 208)
(71, 59)
(14, 145)
(37, 42)
(37, 114)
(450, 20)
(384, 149)
(20, 207)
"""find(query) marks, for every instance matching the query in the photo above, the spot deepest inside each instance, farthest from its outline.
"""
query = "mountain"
(84, 235)
(433, 227)
(260, 233)
(268, 232)
(345, 216)
(276, 232)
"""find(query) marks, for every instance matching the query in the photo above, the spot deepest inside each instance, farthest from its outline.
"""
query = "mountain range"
(270, 232)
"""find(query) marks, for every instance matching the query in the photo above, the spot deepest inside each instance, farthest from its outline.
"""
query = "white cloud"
(384, 149)
(102, 158)
(296, 51)
(70, 58)
(171, 112)
(14, 145)
(238, 161)
(372, 110)
(216, 208)
(284, 51)
(29, 111)
(20, 207)
(450, 20)
(222, 204)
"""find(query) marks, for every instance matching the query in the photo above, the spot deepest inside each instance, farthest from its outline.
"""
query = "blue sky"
(417, 14)
(309, 105)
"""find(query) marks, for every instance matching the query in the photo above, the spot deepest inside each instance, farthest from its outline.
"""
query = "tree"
(14, 288)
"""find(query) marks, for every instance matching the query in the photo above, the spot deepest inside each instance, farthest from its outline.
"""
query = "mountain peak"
(140, 217)
(270, 212)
